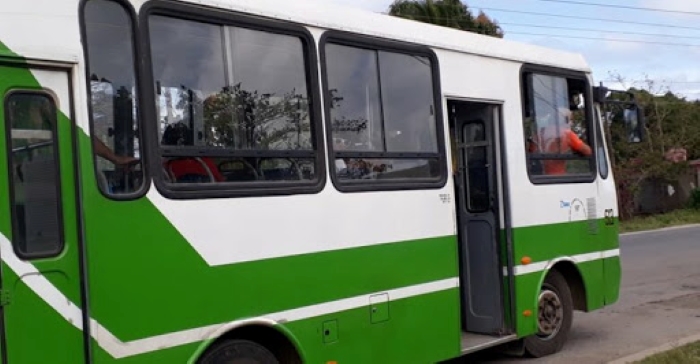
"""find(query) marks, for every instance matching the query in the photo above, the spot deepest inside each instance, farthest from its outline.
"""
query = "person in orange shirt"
(557, 138)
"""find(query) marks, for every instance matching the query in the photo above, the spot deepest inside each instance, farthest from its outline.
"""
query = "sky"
(668, 54)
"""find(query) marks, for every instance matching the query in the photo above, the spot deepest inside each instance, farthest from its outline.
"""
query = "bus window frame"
(138, 75)
(56, 150)
(230, 189)
(525, 100)
(601, 145)
(361, 41)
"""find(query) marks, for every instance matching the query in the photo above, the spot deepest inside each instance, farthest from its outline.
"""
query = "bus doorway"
(473, 127)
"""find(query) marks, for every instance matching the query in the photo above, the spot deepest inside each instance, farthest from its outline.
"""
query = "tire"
(238, 352)
(554, 317)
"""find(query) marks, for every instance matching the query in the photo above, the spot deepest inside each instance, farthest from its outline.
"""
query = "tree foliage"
(447, 13)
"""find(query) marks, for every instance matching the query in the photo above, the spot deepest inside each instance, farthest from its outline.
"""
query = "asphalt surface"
(659, 303)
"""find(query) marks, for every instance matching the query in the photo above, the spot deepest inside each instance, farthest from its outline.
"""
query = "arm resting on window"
(103, 151)
(578, 145)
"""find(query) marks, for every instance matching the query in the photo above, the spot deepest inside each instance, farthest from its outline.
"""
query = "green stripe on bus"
(544, 242)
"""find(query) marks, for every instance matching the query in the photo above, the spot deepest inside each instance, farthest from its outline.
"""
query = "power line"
(628, 7)
(591, 30)
(607, 39)
(414, 17)
(587, 18)
(655, 80)
(600, 30)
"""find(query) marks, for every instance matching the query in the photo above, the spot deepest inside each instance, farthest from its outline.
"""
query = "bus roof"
(61, 17)
(322, 14)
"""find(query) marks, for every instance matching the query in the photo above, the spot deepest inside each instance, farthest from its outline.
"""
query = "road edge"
(670, 228)
(659, 349)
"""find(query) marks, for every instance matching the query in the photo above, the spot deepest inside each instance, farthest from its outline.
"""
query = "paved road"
(659, 302)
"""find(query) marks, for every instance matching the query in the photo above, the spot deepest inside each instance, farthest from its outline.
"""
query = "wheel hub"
(550, 314)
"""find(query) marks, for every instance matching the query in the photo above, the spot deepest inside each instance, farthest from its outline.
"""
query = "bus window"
(34, 172)
(602, 154)
(114, 102)
(233, 104)
(558, 128)
(382, 116)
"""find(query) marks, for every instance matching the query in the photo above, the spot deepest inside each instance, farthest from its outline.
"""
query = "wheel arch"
(574, 279)
(268, 333)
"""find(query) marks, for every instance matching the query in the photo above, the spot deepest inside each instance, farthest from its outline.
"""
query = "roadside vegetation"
(688, 354)
(675, 218)
(688, 216)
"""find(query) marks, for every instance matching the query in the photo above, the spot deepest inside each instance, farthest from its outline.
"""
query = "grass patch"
(675, 218)
(687, 354)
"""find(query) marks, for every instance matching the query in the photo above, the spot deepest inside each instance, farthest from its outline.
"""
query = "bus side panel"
(613, 279)
(609, 236)
(422, 329)
(544, 245)
(409, 335)
(612, 263)
(178, 354)
(527, 290)
(44, 332)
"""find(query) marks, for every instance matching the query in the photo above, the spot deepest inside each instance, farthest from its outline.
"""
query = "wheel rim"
(550, 314)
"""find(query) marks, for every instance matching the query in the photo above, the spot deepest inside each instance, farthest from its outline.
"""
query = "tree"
(447, 13)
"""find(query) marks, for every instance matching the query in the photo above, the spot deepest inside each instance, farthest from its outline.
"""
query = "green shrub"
(695, 199)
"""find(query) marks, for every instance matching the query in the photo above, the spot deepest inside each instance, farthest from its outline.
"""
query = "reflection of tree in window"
(236, 118)
(235, 90)
(353, 79)
(381, 104)
(258, 100)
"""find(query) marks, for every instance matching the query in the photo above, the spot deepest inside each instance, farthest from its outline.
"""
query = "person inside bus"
(102, 150)
(188, 169)
(554, 136)
(42, 114)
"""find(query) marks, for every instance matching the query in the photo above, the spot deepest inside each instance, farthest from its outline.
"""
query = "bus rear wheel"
(238, 352)
(554, 317)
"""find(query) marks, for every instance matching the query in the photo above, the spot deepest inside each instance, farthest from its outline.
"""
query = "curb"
(659, 349)
(680, 227)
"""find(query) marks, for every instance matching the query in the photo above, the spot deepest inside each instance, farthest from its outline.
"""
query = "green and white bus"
(209, 181)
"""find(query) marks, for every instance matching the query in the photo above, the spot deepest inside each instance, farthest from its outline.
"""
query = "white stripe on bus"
(577, 259)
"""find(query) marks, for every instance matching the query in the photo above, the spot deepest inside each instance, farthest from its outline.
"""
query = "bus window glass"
(382, 116)
(233, 103)
(602, 153)
(272, 66)
(114, 102)
(354, 91)
(34, 172)
(557, 127)
(409, 118)
(189, 68)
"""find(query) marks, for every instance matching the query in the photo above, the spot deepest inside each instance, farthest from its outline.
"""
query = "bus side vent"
(592, 209)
